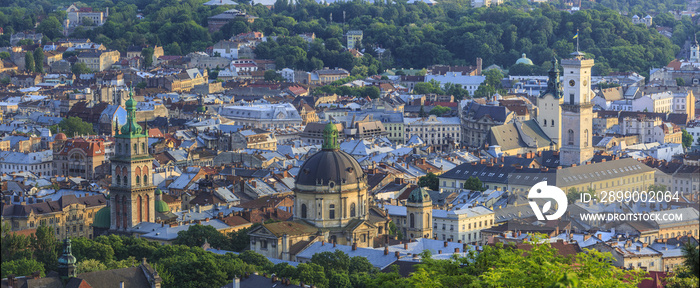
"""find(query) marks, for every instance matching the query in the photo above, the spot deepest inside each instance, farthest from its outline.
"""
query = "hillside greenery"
(495, 266)
(414, 35)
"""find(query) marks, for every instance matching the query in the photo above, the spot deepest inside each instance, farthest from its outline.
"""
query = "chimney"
(479, 63)
(386, 250)
(397, 254)
(456, 250)
(405, 246)
(445, 244)
(334, 244)
(121, 284)
(323, 242)
(354, 246)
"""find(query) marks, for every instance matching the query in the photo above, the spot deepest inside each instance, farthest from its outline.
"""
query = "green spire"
(131, 129)
(554, 84)
(330, 137)
(66, 263)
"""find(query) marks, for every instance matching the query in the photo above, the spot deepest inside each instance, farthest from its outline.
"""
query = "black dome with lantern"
(330, 166)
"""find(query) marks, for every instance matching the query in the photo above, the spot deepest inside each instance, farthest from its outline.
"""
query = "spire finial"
(330, 137)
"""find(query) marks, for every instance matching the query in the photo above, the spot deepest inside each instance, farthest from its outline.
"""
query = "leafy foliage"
(430, 180)
(475, 184)
(73, 126)
(687, 139)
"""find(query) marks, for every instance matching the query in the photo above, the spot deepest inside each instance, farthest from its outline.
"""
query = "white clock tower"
(577, 111)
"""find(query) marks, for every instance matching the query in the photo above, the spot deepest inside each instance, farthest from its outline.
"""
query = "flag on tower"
(576, 36)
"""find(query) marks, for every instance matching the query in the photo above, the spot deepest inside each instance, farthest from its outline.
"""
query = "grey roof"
(527, 134)
(498, 174)
(476, 111)
(600, 171)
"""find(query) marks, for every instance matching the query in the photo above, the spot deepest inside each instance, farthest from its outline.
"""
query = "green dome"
(131, 103)
(102, 218)
(524, 60)
(158, 191)
(161, 206)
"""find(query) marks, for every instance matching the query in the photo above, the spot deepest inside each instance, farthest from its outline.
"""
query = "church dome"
(60, 136)
(330, 166)
(418, 196)
(524, 60)
(161, 206)
(102, 218)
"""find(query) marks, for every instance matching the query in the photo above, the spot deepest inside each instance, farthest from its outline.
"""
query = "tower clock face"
(572, 83)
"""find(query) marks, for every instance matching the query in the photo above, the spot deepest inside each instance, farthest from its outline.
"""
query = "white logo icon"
(543, 191)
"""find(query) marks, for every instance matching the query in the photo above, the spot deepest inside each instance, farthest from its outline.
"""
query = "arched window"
(331, 212)
(585, 138)
(136, 149)
(571, 137)
(119, 180)
(552, 123)
(143, 147)
(352, 210)
(137, 180)
(303, 210)
(545, 122)
(119, 148)
(139, 207)
(412, 220)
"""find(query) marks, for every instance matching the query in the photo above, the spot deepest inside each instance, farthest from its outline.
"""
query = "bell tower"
(577, 111)
(131, 193)
(419, 218)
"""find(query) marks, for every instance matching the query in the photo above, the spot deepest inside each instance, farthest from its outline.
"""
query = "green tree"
(4, 55)
(21, 267)
(371, 92)
(421, 112)
(87, 21)
(394, 231)
(85, 249)
(29, 62)
(312, 274)
(474, 184)
(195, 236)
(656, 188)
(422, 88)
(687, 275)
(90, 265)
(172, 49)
(50, 27)
(80, 68)
(339, 280)
(680, 81)
(687, 139)
(439, 110)
(430, 180)
(147, 54)
(73, 126)
(272, 75)
(239, 240)
(46, 247)
(39, 60)
(14, 246)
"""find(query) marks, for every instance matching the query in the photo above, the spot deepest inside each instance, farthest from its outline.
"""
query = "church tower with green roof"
(132, 192)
